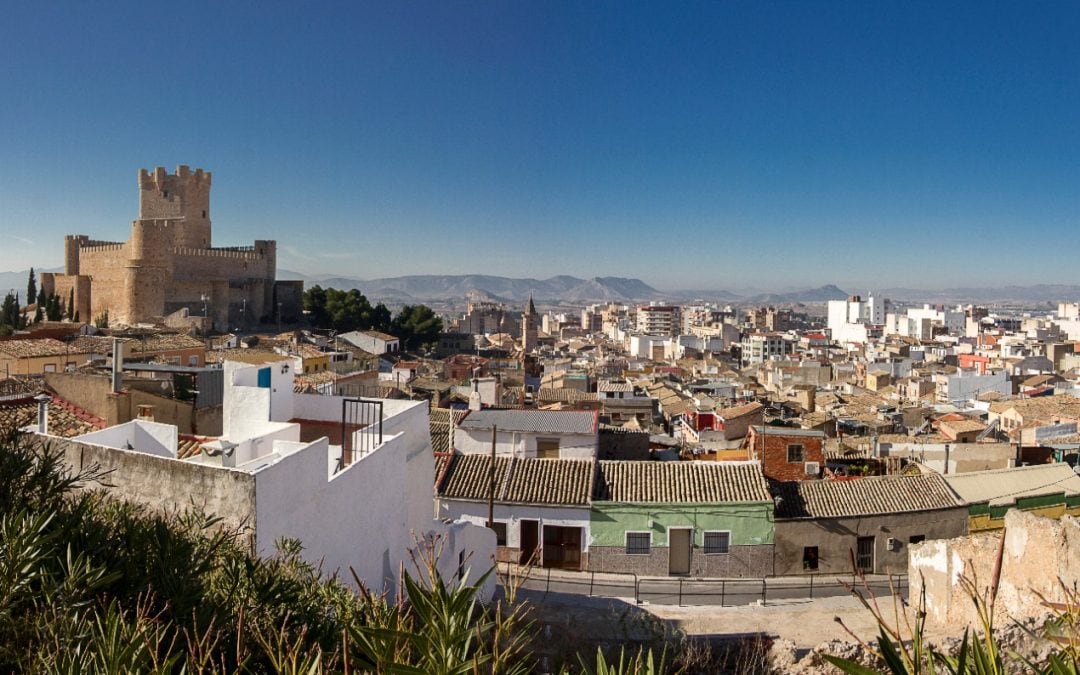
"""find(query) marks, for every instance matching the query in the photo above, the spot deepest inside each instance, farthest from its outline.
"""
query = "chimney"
(145, 412)
(43, 413)
(117, 366)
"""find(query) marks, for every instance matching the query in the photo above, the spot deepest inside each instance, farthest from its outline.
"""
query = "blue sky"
(712, 145)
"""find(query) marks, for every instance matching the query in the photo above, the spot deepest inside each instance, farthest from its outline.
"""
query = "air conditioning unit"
(812, 468)
(892, 544)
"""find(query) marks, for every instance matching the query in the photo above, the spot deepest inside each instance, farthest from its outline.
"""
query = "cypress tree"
(31, 288)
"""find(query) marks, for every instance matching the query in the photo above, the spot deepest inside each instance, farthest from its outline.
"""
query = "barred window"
(795, 452)
(717, 542)
(638, 543)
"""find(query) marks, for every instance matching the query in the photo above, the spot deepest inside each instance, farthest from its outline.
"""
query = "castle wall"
(68, 287)
(168, 264)
(104, 264)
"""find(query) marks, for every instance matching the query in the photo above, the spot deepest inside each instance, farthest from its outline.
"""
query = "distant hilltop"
(561, 288)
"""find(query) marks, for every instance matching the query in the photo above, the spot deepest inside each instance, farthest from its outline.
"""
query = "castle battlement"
(235, 253)
(161, 179)
(101, 246)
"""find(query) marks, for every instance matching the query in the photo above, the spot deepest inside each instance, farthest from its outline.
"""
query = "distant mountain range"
(505, 289)
(563, 288)
(573, 290)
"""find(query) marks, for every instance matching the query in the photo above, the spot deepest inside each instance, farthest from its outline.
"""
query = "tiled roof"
(680, 482)
(94, 344)
(739, 410)
(536, 421)
(561, 482)
(188, 446)
(862, 496)
(35, 347)
(439, 420)
(1043, 406)
(1003, 486)
(564, 395)
(250, 356)
(65, 419)
(165, 342)
(962, 426)
(378, 335)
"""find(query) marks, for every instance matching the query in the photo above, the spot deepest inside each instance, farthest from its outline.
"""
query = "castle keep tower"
(184, 197)
(168, 271)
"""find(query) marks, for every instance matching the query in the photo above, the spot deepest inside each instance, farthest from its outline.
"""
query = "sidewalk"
(683, 591)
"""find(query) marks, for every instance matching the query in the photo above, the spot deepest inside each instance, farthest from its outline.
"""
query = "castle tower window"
(204, 213)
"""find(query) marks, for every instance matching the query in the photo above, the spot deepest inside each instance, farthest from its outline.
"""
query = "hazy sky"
(713, 145)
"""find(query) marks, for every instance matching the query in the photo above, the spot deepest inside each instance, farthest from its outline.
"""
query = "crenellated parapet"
(183, 196)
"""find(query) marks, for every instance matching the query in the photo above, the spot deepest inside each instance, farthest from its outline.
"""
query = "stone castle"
(168, 269)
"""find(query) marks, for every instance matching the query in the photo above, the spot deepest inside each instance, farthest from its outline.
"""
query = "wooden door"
(680, 545)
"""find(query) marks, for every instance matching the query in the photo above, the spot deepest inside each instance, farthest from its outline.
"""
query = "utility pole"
(491, 479)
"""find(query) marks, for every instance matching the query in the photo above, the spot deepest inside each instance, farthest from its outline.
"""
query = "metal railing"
(361, 428)
(691, 591)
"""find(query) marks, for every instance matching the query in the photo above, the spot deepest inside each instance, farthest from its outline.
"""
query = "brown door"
(680, 543)
(562, 547)
(530, 539)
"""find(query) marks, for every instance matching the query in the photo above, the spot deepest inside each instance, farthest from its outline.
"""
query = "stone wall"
(836, 539)
(166, 484)
(1039, 555)
(742, 561)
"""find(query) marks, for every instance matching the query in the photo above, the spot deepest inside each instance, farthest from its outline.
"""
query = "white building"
(541, 507)
(849, 320)
(372, 341)
(544, 434)
(356, 492)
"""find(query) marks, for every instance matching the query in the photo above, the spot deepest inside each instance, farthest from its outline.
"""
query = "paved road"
(691, 591)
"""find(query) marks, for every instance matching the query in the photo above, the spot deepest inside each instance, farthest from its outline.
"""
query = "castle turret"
(72, 243)
(146, 273)
(184, 197)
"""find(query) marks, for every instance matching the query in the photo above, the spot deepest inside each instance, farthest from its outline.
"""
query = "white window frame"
(626, 542)
(705, 542)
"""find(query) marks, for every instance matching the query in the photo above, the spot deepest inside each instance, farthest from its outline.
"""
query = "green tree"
(71, 305)
(54, 310)
(417, 326)
(315, 306)
(381, 319)
(9, 312)
(31, 288)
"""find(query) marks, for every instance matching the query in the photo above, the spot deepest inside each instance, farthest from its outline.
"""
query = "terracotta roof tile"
(565, 482)
(65, 419)
(680, 482)
(862, 496)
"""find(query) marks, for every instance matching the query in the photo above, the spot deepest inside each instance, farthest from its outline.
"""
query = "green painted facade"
(750, 523)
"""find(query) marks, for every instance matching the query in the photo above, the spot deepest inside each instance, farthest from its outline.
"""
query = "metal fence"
(688, 591)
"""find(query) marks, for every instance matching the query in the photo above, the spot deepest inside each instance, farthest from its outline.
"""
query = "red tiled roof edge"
(84, 415)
